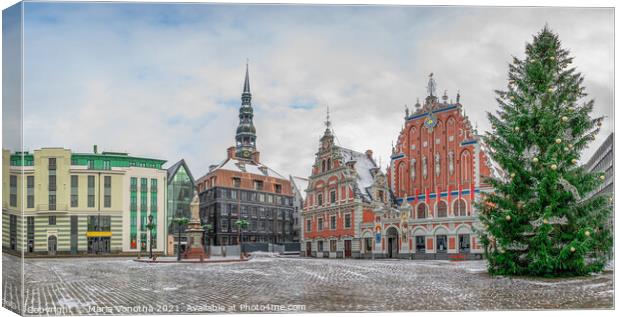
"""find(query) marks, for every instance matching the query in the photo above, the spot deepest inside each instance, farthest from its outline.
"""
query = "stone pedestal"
(195, 248)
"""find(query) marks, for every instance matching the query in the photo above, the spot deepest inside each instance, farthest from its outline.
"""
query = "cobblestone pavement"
(121, 286)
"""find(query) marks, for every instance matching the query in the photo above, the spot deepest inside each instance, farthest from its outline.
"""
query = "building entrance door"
(52, 245)
(392, 238)
(347, 248)
(442, 244)
(308, 248)
(99, 245)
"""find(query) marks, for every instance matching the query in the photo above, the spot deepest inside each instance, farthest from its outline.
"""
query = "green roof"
(96, 161)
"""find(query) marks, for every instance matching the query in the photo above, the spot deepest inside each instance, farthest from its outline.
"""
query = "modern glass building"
(181, 188)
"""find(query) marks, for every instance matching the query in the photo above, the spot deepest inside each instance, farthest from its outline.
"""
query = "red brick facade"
(343, 189)
(437, 170)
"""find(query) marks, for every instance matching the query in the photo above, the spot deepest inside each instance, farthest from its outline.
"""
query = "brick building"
(345, 188)
(436, 173)
(241, 187)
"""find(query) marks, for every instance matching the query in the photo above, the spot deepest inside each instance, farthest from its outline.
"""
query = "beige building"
(58, 202)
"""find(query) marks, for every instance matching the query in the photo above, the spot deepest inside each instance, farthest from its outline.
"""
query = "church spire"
(246, 84)
(246, 132)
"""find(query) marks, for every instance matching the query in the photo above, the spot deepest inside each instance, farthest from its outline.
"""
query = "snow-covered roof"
(246, 166)
(300, 185)
(363, 167)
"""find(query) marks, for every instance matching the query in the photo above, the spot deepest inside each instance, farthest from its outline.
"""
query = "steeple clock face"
(246, 153)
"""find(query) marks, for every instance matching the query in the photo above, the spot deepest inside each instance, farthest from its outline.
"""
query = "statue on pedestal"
(195, 248)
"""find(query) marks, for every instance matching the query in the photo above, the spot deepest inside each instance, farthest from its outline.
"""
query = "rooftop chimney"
(256, 157)
(95, 148)
(231, 152)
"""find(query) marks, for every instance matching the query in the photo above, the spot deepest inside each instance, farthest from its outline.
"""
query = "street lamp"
(150, 227)
(241, 224)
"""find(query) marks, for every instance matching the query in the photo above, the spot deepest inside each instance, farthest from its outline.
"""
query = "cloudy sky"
(165, 80)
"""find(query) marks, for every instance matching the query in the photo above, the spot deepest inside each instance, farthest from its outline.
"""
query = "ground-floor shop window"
(420, 244)
(320, 246)
(30, 233)
(332, 245)
(464, 245)
(13, 231)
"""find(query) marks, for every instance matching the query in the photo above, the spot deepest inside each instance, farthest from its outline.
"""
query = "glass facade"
(180, 195)
(133, 213)
(154, 210)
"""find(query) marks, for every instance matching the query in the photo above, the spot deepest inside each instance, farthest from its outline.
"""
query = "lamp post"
(150, 227)
(241, 224)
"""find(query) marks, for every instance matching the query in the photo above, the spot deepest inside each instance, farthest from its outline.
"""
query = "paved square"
(122, 286)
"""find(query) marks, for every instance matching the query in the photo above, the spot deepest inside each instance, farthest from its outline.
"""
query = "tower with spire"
(327, 140)
(246, 132)
(243, 170)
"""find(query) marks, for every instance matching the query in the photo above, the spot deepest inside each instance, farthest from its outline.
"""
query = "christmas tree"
(540, 220)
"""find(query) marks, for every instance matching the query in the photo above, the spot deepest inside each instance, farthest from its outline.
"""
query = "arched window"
(460, 208)
(323, 166)
(421, 214)
(329, 164)
(442, 209)
(465, 167)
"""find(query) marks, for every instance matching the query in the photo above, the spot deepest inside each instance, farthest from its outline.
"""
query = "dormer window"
(277, 188)
(236, 181)
(258, 185)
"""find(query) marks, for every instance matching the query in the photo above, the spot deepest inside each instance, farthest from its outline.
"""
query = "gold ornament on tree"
(554, 167)
(602, 177)
(535, 160)
(558, 140)
(572, 249)
(508, 218)
(587, 233)
(565, 119)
